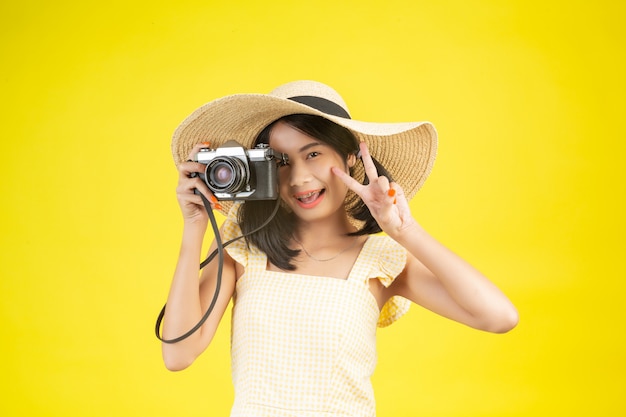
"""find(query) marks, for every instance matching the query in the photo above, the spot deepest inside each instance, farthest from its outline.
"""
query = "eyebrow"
(309, 146)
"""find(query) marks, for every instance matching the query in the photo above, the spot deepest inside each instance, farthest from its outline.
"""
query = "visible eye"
(313, 154)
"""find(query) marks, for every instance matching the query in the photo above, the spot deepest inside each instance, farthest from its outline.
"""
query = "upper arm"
(467, 298)
(209, 281)
(186, 315)
(418, 284)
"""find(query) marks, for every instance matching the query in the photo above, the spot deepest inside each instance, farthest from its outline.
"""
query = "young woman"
(310, 288)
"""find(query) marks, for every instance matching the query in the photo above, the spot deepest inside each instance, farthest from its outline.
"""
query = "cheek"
(283, 177)
(283, 184)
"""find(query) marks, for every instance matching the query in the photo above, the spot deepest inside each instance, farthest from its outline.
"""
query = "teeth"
(309, 196)
(312, 193)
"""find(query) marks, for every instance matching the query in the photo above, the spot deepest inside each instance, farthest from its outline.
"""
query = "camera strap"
(218, 251)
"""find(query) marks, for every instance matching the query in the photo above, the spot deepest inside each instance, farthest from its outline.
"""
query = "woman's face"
(306, 182)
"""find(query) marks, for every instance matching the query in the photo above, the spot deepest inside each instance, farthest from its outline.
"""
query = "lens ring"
(226, 174)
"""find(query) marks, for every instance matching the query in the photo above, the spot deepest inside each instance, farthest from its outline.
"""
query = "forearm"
(184, 308)
(183, 302)
(481, 301)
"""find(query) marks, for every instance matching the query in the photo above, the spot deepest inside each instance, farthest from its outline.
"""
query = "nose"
(299, 174)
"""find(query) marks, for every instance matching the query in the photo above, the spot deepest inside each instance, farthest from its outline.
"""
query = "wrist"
(407, 232)
(194, 228)
(195, 221)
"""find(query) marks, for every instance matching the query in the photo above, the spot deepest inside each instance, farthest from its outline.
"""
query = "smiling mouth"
(309, 197)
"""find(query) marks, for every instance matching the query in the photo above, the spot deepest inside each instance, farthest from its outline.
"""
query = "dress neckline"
(359, 258)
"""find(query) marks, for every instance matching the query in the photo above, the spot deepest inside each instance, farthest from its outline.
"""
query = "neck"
(325, 241)
(325, 231)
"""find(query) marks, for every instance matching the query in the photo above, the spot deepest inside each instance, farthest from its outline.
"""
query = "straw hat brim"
(406, 150)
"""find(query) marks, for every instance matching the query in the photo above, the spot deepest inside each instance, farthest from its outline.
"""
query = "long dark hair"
(274, 238)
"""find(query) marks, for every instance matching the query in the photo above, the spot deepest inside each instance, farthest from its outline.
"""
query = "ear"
(351, 160)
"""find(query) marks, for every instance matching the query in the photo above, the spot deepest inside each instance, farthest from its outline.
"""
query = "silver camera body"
(235, 173)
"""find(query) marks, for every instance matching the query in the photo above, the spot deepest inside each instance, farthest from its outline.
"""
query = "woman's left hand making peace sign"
(386, 200)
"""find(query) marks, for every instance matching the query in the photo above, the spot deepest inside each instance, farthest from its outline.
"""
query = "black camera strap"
(218, 251)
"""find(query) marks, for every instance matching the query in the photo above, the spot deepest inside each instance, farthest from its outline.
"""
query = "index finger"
(350, 182)
(370, 169)
(187, 168)
(196, 148)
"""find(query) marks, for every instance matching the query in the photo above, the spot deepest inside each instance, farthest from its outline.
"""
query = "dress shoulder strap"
(381, 257)
(364, 261)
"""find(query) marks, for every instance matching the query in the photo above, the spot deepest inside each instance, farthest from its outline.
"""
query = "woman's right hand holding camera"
(189, 297)
(190, 203)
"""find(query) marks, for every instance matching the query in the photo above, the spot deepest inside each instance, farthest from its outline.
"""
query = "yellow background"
(528, 99)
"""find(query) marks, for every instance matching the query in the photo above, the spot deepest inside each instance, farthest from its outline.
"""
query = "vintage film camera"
(235, 173)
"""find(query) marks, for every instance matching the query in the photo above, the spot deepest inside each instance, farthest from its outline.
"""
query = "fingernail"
(394, 201)
(391, 192)
(206, 143)
(213, 199)
(217, 206)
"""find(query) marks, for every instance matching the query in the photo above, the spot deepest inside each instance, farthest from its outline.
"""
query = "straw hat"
(406, 150)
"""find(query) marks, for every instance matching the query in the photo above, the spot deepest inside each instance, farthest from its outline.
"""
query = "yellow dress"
(305, 346)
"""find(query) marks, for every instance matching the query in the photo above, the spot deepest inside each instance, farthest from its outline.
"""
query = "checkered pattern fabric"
(305, 345)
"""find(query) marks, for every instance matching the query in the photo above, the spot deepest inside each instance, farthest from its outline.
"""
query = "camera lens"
(226, 175)
(222, 174)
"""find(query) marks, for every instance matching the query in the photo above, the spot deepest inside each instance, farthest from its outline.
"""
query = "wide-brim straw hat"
(406, 150)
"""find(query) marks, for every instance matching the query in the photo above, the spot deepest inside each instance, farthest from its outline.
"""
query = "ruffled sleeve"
(389, 260)
(238, 250)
